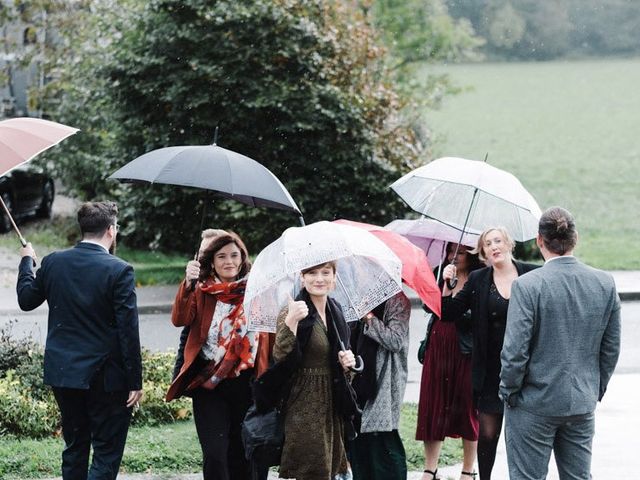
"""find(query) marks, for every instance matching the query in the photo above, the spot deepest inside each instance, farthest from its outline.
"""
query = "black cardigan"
(271, 389)
(475, 295)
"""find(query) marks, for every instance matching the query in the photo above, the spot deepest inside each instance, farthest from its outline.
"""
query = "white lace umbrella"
(368, 271)
(470, 193)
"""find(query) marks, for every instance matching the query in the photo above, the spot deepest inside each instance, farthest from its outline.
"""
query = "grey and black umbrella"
(212, 168)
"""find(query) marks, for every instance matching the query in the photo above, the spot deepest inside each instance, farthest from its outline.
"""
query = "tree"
(300, 85)
(553, 28)
(422, 31)
(506, 27)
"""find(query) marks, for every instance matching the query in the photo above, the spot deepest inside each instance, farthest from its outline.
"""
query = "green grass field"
(173, 448)
(568, 131)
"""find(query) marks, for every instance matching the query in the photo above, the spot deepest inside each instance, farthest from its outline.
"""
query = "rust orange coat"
(195, 308)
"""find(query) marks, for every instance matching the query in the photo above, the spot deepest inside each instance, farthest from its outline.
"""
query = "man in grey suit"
(561, 346)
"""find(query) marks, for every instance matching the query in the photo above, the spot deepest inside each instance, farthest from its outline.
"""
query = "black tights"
(490, 426)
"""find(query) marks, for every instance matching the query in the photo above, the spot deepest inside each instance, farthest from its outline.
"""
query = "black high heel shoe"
(470, 474)
(433, 474)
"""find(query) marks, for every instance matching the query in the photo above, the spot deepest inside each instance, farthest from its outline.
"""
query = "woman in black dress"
(486, 293)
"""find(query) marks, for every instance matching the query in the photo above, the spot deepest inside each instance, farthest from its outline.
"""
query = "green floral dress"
(313, 446)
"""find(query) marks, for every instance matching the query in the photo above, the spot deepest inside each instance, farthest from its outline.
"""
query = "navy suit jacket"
(93, 317)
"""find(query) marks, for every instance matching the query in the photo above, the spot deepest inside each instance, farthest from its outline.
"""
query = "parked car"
(26, 191)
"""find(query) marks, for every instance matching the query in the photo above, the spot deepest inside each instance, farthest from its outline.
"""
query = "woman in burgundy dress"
(446, 406)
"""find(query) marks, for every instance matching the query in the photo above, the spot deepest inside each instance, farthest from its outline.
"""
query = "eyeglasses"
(116, 227)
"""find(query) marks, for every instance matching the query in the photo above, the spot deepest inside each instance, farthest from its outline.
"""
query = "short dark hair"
(221, 241)
(331, 264)
(95, 217)
(557, 228)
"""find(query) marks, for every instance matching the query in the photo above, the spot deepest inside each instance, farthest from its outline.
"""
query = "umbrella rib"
(345, 290)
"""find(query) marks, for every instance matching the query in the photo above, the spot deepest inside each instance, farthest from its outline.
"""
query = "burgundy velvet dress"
(446, 400)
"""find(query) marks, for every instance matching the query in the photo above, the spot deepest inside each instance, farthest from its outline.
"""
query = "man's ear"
(539, 242)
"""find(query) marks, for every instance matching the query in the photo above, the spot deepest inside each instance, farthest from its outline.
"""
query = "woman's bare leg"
(431, 455)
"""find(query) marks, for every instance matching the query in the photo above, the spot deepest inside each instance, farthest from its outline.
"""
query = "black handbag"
(424, 343)
(263, 436)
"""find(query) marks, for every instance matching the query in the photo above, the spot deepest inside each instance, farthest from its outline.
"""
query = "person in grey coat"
(561, 347)
(377, 452)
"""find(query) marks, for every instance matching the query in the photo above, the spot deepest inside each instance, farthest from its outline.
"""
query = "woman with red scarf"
(220, 354)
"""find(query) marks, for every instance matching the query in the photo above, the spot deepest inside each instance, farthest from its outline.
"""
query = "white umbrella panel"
(368, 272)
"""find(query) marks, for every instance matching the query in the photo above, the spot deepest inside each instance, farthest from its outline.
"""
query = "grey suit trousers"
(530, 438)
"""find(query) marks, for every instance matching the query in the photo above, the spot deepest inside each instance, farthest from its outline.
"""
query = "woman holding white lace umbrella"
(311, 350)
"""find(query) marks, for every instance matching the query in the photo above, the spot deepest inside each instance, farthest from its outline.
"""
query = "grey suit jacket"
(562, 340)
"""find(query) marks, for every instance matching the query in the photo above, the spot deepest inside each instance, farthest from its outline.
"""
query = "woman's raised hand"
(347, 359)
(297, 311)
(449, 272)
(192, 272)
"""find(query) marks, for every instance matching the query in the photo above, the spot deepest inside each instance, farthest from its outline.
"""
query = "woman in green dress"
(315, 408)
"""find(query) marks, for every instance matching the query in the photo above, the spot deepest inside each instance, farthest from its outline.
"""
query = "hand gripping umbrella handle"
(359, 362)
(359, 365)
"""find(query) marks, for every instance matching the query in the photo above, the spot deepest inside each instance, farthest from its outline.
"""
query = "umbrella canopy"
(470, 193)
(432, 236)
(21, 139)
(416, 272)
(368, 271)
(210, 167)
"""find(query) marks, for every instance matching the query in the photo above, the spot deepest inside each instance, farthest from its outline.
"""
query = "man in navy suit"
(92, 355)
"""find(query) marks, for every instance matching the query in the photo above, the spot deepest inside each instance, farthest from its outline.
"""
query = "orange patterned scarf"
(240, 345)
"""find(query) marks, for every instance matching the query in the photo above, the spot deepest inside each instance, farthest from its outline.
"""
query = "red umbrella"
(416, 272)
(21, 139)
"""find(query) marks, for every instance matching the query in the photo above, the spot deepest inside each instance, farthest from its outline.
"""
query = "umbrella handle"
(13, 223)
(359, 365)
(451, 284)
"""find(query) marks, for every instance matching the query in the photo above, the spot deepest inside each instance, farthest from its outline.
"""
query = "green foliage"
(530, 29)
(157, 371)
(418, 32)
(300, 85)
(45, 235)
(27, 406)
(423, 31)
(172, 449)
(23, 414)
(154, 268)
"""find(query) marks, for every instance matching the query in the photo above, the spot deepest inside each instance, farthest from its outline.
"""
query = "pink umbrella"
(416, 272)
(21, 139)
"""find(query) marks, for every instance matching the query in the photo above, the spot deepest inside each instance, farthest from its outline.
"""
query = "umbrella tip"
(215, 136)
(486, 155)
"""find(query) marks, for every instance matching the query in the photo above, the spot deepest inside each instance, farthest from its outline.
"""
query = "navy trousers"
(92, 418)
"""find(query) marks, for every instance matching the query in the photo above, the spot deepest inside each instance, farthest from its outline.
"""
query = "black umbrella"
(214, 168)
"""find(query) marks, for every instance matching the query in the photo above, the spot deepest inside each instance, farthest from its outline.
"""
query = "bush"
(24, 414)
(28, 408)
(302, 86)
(157, 371)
